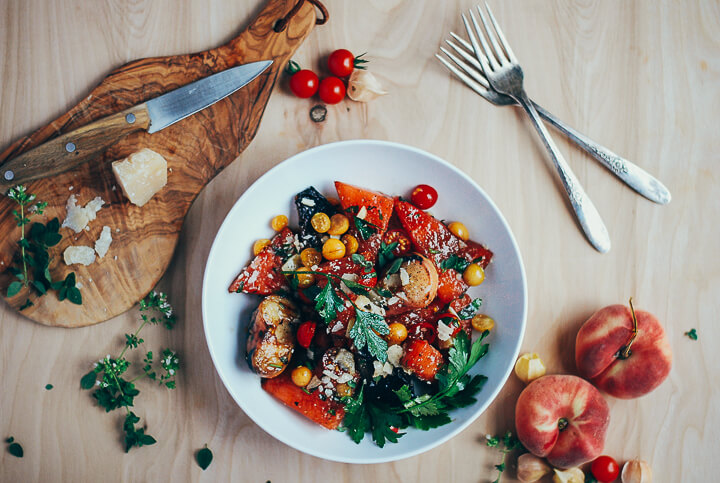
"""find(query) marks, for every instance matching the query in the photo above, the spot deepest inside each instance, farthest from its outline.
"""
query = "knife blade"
(76, 147)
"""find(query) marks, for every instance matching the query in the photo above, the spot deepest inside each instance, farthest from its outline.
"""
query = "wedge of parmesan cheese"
(81, 255)
(103, 242)
(78, 217)
(141, 175)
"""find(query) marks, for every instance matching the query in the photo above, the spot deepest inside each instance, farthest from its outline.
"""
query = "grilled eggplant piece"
(309, 202)
(271, 341)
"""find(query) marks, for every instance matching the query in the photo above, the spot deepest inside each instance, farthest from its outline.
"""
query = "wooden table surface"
(641, 77)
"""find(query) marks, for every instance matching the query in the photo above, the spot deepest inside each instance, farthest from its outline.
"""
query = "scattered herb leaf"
(454, 262)
(204, 457)
(16, 450)
(470, 309)
(692, 334)
(365, 331)
(115, 391)
(49, 386)
(365, 228)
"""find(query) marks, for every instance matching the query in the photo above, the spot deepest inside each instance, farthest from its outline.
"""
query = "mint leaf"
(470, 309)
(692, 333)
(365, 228)
(88, 380)
(16, 450)
(454, 262)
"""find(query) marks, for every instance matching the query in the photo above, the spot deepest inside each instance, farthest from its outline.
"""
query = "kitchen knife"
(76, 147)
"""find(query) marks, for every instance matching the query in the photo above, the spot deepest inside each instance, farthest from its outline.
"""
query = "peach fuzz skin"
(540, 408)
(602, 337)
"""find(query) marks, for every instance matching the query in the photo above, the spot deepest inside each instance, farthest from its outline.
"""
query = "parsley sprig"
(368, 327)
(457, 389)
(115, 390)
(505, 444)
(33, 259)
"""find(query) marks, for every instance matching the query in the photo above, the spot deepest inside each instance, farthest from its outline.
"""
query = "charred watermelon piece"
(309, 202)
(450, 285)
(422, 359)
(263, 275)
(378, 207)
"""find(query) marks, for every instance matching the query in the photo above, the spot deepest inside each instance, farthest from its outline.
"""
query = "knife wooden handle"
(72, 149)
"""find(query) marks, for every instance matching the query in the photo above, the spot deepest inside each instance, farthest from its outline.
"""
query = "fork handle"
(585, 211)
(634, 176)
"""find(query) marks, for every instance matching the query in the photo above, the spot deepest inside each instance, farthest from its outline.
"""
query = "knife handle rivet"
(9, 175)
(130, 118)
(70, 147)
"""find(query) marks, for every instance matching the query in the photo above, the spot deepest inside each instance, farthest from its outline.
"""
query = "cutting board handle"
(281, 24)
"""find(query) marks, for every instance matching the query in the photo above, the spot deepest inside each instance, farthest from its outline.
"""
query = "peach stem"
(624, 353)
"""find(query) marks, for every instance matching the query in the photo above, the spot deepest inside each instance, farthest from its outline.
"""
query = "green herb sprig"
(14, 447)
(34, 258)
(505, 444)
(456, 389)
(115, 391)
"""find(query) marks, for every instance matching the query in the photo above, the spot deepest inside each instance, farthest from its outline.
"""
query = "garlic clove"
(363, 86)
(636, 471)
(531, 468)
(529, 367)
(572, 475)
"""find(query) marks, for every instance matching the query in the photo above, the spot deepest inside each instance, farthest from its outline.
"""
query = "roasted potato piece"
(337, 373)
(271, 341)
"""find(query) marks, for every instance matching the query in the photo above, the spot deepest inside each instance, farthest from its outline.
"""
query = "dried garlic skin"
(572, 475)
(363, 86)
(531, 468)
(636, 471)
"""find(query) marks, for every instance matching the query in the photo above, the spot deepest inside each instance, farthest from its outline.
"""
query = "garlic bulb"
(572, 475)
(636, 471)
(531, 468)
(363, 86)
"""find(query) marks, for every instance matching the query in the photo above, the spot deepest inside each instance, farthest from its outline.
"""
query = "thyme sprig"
(115, 390)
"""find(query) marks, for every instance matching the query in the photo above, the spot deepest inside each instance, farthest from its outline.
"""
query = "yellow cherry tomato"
(474, 274)
(351, 244)
(333, 249)
(398, 333)
(259, 245)
(459, 230)
(339, 224)
(279, 222)
(310, 257)
(482, 322)
(320, 222)
(301, 376)
(305, 279)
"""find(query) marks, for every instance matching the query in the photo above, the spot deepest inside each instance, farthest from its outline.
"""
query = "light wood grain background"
(641, 77)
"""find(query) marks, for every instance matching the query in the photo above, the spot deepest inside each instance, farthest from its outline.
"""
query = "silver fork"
(505, 76)
(634, 176)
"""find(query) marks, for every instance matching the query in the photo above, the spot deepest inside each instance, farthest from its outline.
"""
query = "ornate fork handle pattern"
(634, 176)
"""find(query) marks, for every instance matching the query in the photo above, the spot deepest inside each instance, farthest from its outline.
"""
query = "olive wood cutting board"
(196, 149)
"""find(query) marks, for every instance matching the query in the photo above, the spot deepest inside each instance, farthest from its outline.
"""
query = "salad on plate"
(364, 324)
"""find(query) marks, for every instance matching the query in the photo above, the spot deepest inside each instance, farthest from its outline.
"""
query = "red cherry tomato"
(305, 334)
(304, 83)
(341, 63)
(399, 236)
(368, 279)
(451, 321)
(331, 90)
(605, 469)
(424, 196)
(425, 331)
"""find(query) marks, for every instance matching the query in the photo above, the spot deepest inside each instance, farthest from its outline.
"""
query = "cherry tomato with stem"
(331, 90)
(304, 83)
(403, 241)
(341, 62)
(424, 196)
(305, 333)
(605, 469)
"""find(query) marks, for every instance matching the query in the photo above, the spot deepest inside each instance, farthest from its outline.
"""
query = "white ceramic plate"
(393, 169)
